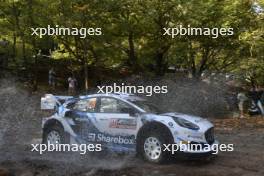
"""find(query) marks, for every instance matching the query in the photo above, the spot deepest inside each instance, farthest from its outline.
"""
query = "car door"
(118, 122)
(82, 113)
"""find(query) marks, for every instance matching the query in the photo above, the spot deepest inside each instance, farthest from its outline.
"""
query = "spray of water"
(20, 123)
(188, 96)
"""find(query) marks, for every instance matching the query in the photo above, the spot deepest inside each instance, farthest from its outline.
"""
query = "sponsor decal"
(92, 137)
(123, 123)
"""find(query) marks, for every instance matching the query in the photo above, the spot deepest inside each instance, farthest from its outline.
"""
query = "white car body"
(120, 131)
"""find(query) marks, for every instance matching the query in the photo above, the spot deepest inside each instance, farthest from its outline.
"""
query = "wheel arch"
(52, 122)
(149, 126)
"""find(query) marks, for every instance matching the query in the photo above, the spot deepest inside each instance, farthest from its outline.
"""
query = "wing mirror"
(69, 114)
(129, 111)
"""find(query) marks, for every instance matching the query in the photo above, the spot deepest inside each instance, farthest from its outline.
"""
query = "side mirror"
(129, 111)
(69, 114)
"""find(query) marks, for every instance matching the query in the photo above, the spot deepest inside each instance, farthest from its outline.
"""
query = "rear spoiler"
(50, 101)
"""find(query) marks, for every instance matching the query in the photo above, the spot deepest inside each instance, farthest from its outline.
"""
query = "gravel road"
(247, 159)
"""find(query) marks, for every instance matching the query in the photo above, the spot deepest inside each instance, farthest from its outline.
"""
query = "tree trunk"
(160, 64)
(14, 45)
(14, 10)
(131, 53)
(191, 59)
(37, 53)
(24, 51)
(35, 80)
(86, 76)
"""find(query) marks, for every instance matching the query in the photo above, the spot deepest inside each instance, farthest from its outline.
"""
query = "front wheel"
(152, 147)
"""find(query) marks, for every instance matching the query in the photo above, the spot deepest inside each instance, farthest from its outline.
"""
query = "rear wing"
(49, 101)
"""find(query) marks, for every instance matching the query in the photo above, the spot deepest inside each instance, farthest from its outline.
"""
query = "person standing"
(259, 101)
(241, 97)
(72, 85)
(52, 78)
(256, 96)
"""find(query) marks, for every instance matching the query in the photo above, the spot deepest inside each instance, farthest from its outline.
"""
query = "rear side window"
(86, 105)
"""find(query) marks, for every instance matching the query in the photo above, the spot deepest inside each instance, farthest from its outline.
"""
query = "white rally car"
(123, 123)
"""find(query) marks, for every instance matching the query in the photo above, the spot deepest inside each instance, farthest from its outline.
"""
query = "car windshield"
(148, 107)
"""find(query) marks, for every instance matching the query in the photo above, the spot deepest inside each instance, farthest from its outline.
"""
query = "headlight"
(185, 123)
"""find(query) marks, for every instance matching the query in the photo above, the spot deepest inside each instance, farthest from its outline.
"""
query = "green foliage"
(133, 34)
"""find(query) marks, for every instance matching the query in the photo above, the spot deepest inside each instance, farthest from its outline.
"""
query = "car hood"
(194, 119)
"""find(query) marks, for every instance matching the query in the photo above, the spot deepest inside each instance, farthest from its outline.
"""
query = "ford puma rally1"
(124, 123)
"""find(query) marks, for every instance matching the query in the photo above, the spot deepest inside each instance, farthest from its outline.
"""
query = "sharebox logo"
(110, 139)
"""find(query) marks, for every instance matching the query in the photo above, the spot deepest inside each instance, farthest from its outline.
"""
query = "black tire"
(64, 139)
(163, 138)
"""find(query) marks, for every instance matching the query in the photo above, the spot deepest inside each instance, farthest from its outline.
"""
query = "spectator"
(241, 97)
(253, 94)
(72, 85)
(256, 94)
(52, 77)
(259, 101)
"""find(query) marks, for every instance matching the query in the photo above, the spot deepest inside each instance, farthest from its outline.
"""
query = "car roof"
(128, 97)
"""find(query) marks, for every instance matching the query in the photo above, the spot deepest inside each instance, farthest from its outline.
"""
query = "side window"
(108, 105)
(111, 105)
(87, 105)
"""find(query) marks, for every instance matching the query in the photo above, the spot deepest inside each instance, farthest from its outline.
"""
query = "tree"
(133, 35)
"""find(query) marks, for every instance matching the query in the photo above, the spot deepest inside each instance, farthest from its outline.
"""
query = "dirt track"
(247, 159)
